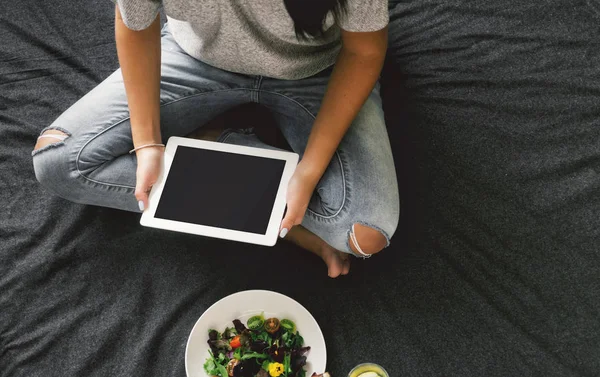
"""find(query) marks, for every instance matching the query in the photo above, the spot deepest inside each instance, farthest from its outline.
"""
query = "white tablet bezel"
(267, 239)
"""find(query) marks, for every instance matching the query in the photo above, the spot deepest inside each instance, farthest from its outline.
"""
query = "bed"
(493, 112)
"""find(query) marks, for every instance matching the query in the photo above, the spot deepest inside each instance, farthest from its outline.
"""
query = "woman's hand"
(149, 165)
(300, 190)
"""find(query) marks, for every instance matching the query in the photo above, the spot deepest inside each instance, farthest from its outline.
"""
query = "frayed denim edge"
(51, 145)
(387, 237)
(55, 128)
(383, 232)
(45, 148)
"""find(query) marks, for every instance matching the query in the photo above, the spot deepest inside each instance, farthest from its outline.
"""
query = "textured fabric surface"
(254, 37)
(502, 102)
(494, 270)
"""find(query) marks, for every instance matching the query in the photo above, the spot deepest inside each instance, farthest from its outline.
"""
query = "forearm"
(139, 58)
(351, 82)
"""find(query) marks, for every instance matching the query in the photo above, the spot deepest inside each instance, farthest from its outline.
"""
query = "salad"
(265, 348)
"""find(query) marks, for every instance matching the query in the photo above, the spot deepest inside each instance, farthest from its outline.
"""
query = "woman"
(314, 63)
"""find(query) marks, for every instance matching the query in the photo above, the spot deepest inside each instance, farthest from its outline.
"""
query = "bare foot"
(338, 263)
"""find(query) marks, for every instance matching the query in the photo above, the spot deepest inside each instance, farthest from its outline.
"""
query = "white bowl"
(243, 305)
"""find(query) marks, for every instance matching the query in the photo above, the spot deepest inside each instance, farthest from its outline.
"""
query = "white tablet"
(221, 190)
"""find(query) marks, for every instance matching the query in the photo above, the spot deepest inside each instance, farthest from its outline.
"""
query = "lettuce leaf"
(222, 371)
(286, 364)
(210, 367)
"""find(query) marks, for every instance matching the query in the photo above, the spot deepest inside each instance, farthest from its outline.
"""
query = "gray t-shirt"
(254, 37)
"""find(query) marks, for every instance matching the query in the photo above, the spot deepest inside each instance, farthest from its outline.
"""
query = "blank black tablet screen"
(219, 189)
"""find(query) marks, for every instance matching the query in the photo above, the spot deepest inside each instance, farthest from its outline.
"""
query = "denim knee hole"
(57, 141)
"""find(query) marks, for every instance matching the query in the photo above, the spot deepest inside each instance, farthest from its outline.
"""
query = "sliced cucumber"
(288, 325)
(256, 322)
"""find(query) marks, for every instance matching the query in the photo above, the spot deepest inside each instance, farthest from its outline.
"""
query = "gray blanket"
(493, 110)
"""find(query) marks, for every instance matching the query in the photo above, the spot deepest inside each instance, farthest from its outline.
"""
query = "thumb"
(141, 194)
(290, 219)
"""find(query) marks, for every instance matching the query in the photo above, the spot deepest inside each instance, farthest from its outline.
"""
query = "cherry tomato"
(235, 342)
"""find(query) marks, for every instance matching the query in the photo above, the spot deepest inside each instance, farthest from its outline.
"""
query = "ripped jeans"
(92, 164)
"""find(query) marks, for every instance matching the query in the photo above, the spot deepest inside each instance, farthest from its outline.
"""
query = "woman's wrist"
(309, 172)
(149, 152)
(145, 129)
(144, 146)
(145, 136)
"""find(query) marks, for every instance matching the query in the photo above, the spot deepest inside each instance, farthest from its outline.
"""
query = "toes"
(346, 267)
(345, 262)
(340, 266)
(334, 270)
(338, 263)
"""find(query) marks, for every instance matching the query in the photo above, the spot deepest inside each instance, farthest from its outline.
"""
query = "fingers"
(142, 197)
(142, 189)
(148, 169)
(291, 219)
(286, 225)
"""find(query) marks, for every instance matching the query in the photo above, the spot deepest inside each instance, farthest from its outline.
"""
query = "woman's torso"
(257, 37)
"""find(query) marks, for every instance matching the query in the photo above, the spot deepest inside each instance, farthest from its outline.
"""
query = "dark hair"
(309, 15)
